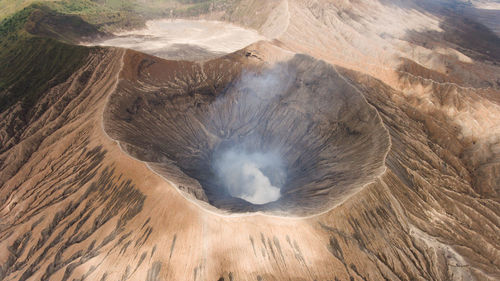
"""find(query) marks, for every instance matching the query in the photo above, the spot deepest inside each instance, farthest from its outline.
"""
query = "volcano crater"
(178, 116)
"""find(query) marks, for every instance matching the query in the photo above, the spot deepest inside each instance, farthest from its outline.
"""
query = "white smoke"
(247, 171)
(268, 83)
(248, 175)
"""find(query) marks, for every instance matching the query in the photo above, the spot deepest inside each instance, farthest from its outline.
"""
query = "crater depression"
(238, 135)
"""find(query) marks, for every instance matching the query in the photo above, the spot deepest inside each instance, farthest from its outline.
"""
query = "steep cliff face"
(108, 178)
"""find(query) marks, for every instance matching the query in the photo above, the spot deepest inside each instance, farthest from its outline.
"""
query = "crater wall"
(176, 115)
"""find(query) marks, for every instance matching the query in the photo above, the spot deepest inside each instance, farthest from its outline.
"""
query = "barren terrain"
(386, 114)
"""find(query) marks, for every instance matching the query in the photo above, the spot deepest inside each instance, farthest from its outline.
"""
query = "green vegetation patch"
(40, 19)
(30, 65)
(104, 16)
(109, 15)
(11, 26)
(34, 55)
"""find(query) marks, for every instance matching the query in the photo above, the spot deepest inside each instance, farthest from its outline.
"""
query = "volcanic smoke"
(254, 177)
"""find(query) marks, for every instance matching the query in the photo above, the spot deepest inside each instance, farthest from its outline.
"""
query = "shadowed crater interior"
(238, 135)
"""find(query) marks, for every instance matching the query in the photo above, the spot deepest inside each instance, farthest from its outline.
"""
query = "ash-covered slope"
(75, 206)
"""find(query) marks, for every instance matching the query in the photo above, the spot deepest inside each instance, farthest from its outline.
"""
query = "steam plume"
(250, 176)
(246, 170)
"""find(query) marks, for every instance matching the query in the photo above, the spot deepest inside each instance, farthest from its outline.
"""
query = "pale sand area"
(184, 39)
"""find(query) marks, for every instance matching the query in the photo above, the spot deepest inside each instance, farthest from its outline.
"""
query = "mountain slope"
(76, 204)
